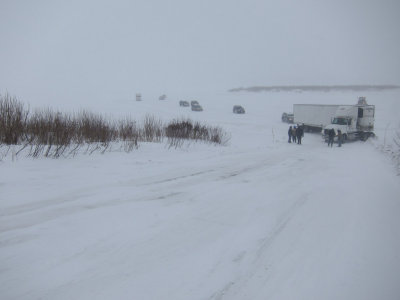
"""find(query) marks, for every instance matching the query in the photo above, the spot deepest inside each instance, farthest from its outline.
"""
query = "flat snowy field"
(257, 219)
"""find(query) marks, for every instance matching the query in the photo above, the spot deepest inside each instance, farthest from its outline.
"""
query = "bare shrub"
(49, 132)
(128, 130)
(95, 128)
(13, 118)
(200, 132)
(153, 130)
(179, 130)
(129, 133)
(218, 136)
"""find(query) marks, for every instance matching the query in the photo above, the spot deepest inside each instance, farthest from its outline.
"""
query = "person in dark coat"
(294, 134)
(331, 136)
(339, 138)
(299, 134)
(290, 134)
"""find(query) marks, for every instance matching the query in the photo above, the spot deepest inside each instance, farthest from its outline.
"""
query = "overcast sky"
(97, 47)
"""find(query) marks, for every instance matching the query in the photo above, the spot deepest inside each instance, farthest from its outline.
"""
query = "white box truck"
(354, 121)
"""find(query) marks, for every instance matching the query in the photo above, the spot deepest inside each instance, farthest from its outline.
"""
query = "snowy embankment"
(258, 219)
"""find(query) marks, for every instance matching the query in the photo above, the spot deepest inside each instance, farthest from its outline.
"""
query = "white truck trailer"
(354, 121)
(314, 117)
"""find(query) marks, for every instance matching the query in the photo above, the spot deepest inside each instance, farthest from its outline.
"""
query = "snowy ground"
(257, 219)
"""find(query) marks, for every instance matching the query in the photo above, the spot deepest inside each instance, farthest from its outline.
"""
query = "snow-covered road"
(262, 219)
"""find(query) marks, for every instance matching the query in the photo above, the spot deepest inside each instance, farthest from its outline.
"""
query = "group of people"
(331, 137)
(295, 134)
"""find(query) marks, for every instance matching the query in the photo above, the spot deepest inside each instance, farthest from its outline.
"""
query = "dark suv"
(288, 118)
(237, 109)
(183, 103)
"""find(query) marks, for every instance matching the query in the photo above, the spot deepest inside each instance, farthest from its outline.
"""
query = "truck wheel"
(366, 136)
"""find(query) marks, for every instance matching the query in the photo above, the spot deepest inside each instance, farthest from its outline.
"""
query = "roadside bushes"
(54, 134)
(13, 117)
(177, 131)
(152, 130)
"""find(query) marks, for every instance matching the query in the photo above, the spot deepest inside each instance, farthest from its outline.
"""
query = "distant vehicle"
(237, 109)
(287, 117)
(184, 103)
(162, 97)
(194, 102)
(197, 107)
(138, 97)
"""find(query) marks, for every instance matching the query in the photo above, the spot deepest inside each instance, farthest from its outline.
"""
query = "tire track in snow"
(240, 281)
(282, 223)
(85, 198)
(27, 219)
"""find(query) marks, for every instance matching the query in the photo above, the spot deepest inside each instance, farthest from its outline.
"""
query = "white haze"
(56, 51)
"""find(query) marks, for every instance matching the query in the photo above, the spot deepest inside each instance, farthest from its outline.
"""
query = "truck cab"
(342, 123)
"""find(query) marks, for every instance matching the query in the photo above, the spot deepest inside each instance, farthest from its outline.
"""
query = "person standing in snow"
(294, 134)
(290, 134)
(331, 136)
(339, 137)
(299, 134)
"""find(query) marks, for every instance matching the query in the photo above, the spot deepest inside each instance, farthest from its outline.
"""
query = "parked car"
(237, 109)
(197, 107)
(194, 102)
(183, 103)
(162, 97)
(288, 118)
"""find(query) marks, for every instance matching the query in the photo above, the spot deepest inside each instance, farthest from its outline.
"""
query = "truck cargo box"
(314, 116)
